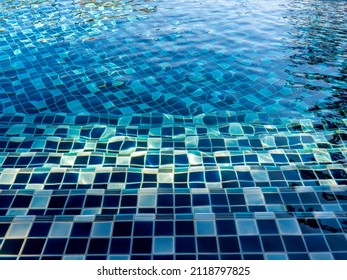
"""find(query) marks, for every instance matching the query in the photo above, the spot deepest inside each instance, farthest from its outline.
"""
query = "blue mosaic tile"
(152, 130)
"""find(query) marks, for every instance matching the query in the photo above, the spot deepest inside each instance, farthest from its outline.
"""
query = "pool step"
(299, 199)
(186, 236)
(169, 157)
(196, 177)
(144, 151)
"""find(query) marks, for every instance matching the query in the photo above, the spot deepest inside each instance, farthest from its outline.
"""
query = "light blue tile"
(60, 229)
(91, 211)
(164, 245)
(276, 257)
(19, 230)
(16, 212)
(260, 176)
(118, 257)
(332, 208)
(101, 229)
(202, 209)
(74, 257)
(8, 178)
(321, 256)
(40, 202)
(288, 226)
(205, 228)
(276, 208)
(246, 227)
(254, 198)
(147, 201)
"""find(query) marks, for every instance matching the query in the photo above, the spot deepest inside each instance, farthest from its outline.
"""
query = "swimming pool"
(173, 129)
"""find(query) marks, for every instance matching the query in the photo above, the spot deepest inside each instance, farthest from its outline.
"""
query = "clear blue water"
(179, 57)
(173, 129)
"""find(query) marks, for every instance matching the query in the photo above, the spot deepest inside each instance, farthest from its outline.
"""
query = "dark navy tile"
(11, 246)
(316, 243)
(250, 244)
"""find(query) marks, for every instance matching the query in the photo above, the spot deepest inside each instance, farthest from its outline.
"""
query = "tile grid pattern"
(109, 150)
(260, 202)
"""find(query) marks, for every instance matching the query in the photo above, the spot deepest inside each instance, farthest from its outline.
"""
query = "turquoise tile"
(163, 245)
(246, 227)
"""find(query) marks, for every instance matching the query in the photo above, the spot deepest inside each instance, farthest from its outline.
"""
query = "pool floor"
(151, 130)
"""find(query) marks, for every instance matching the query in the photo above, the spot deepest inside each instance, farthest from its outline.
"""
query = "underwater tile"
(288, 226)
(163, 245)
(246, 227)
(112, 149)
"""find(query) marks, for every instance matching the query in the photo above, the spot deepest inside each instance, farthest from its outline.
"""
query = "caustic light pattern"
(173, 129)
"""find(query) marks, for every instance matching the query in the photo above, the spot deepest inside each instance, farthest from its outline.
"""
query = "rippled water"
(173, 129)
(173, 57)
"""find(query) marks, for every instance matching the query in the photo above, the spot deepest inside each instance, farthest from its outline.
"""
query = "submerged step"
(300, 199)
(129, 236)
(197, 177)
